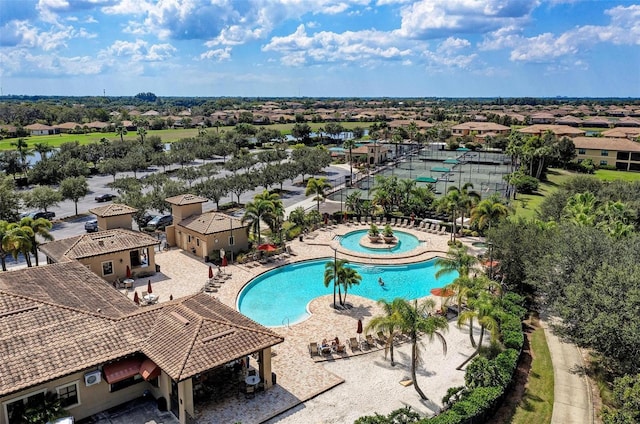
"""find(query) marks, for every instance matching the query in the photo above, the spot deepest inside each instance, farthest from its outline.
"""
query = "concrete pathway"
(572, 393)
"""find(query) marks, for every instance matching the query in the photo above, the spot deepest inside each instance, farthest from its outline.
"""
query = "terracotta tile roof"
(211, 223)
(624, 132)
(59, 319)
(556, 129)
(68, 125)
(480, 126)
(70, 285)
(185, 199)
(95, 244)
(35, 127)
(606, 143)
(113, 209)
(196, 333)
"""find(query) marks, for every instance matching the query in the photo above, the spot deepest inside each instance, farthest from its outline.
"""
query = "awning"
(121, 370)
(149, 370)
(426, 180)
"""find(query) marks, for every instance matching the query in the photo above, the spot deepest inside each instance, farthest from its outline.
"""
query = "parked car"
(39, 214)
(144, 220)
(91, 226)
(160, 222)
(105, 197)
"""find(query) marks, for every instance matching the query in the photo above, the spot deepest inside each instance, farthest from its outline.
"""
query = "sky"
(321, 48)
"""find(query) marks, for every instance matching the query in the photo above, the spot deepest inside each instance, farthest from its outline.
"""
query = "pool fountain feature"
(360, 241)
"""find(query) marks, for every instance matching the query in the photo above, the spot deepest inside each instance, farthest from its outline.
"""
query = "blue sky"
(335, 48)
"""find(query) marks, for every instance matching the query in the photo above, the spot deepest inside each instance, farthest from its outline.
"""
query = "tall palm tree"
(388, 323)
(489, 212)
(3, 253)
(348, 277)
(350, 144)
(457, 259)
(416, 319)
(275, 219)
(486, 309)
(317, 186)
(121, 131)
(40, 227)
(22, 147)
(468, 199)
(142, 133)
(17, 239)
(254, 213)
(42, 149)
(332, 271)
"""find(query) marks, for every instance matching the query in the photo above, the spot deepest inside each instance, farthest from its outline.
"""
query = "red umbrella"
(136, 299)
(224, 261)
(128, 272)
(491, 264)
(149, 287)
(359, 329)
(267, 247)
(442, 292)
(210, 272)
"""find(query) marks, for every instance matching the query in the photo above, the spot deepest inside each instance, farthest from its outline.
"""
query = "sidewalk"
(572, 393)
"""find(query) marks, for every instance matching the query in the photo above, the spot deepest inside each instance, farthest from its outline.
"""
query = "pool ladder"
(287, 322)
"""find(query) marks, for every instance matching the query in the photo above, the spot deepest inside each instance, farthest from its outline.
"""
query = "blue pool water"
(280, 296)
(406, 242)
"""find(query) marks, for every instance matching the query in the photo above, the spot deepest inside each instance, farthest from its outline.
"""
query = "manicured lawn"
(532, 201)
(537, 402)
(608, 175)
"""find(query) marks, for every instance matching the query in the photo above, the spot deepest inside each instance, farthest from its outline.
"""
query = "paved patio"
(299, 376)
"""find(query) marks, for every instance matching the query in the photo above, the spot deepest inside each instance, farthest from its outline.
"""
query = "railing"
(287, 324)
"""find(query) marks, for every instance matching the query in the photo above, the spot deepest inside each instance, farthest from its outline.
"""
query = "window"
(582, 151)
(125, 383)
(189, 238)
(15, 408)
(198, 242)
(107, 268)
(231, 241)
(68, 395)
(603, 162)
(604, 153)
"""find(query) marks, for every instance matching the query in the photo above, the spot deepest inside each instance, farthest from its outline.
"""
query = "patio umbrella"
(359, 329)
(442, 292)
(224, 261)
(170, 297)
(149, 287)
(267, 247)
(136, 299)
(128, 272)
(210, 272)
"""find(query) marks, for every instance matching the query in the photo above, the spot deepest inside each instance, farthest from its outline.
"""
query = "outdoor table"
(128, 283)
(150, 298)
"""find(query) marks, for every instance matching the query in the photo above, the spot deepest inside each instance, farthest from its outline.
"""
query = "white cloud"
(453, 43)
(139, 51)
(22, 62)
(23, 34)
(217, 54)
(234, 35)
(440, 18)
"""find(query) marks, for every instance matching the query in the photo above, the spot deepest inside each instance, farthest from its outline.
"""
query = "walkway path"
(572, 393)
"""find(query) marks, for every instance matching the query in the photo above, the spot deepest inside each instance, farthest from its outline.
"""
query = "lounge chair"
(442, 230)
(370, 342)
(313, 349)
(381, 338)
(353, 344)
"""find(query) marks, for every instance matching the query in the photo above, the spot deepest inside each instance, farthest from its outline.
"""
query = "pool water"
(280, 296)
(406, 242)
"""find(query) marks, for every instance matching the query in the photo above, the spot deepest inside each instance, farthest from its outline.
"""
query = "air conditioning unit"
(93, 377)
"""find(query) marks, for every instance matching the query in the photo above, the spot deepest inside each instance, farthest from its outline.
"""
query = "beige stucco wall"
(207, 245)
(120, 261)
(93, 399)
(110, 222)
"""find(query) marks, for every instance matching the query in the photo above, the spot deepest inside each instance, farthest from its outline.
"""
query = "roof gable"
(185, 199)
(113, 209)
(211, 223)
(96, 244)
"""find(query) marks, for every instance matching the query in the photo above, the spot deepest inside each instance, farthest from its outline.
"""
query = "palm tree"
(485, 307)
(317, 186)
(121, 131)
(42, 149)
(3, 253)
(16, 240)
(22, 147)
(468, 199)
(387, 323)
(40, 227)
(254, 213)
(142, 133)
(274, 219)
(332, 272)
(348, 277)
(489, 212)
(457, 259)
(417, 318)
(350, 144)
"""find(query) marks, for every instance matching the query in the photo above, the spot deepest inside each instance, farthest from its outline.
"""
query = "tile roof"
(185, 199)
(113, 209)
(96, 244)
(211, 223)
(607, 143)
(556, 129)
(480, 126)
(60, 318)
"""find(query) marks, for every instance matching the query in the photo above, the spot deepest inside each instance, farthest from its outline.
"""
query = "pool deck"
(299, 376)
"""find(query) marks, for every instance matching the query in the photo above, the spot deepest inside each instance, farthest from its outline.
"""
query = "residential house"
(67, 127)
(371, 154)
(66, 331)
(632, 133)
(569, 120)
(479, 130)
(542, 118)
(41, 129)
(558, 130)
(622, 153)
(114, 215)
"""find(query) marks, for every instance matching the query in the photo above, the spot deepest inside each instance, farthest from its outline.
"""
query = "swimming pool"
(280, 296)
(406, 242)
